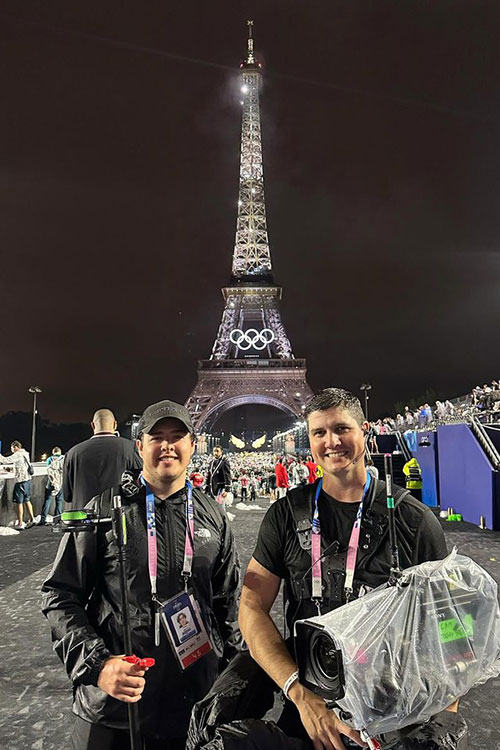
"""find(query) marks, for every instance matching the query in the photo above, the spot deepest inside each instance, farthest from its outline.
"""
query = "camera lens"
(325, 657)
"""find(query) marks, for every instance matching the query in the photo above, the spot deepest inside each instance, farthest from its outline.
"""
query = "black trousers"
(87, 736)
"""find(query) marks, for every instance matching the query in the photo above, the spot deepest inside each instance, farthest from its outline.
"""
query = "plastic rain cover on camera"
(411, 650)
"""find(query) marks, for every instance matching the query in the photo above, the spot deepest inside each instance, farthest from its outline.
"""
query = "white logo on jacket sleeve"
(203, 535)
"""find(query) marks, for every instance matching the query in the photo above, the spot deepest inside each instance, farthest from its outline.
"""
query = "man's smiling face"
(336, 438)
(166, 451)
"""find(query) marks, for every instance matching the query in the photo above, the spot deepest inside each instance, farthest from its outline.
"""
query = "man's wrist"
(296, 693)
(291, 680)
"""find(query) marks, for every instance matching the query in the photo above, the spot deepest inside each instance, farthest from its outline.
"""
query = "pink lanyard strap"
(352, 550)
(188, 544)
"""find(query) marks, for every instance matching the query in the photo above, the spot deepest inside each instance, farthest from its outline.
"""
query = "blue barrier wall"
(467, 482)
(428, 461)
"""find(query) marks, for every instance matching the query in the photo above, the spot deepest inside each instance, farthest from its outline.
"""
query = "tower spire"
(250, 58)
(251, 249)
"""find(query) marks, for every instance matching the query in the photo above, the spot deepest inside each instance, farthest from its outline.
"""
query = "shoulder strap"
(300, 508)
(399, 494)
(105, 502)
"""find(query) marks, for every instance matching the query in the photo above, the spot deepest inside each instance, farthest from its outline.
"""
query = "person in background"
(413, 474)
(53, 488)
(244, 481)
(312, 468)
(98, 463)
(281, 478)
(196, 479)
(409, 419)
(218, 474)
(300, 472)
(21, 496)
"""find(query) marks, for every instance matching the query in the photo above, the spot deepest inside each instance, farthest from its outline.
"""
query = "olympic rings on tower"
(252, 338)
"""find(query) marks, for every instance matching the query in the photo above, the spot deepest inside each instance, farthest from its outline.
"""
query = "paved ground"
(35, 695)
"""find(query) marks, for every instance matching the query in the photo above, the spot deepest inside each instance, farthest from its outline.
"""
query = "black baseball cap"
(163, 409)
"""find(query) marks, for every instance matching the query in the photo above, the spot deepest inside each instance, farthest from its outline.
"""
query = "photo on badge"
(180, 619)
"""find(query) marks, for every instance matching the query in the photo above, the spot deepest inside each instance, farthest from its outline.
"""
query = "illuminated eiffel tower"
(252, 360)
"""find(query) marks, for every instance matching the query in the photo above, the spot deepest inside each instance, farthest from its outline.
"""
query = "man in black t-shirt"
(337, 434)
(99, 462)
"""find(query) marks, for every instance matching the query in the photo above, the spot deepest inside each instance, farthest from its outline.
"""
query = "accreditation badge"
(184, 626)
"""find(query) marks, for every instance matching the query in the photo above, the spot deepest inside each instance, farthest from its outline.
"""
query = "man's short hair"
(336, 398)
(16, 444)
(56, 451)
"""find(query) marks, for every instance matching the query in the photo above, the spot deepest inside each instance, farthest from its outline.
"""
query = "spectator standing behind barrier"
(53, 488)
(409, 418)
(82, 599)
(413, 474)
(21, 496)
(98, 463)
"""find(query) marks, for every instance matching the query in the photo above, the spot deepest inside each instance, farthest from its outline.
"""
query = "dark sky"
(119, 143)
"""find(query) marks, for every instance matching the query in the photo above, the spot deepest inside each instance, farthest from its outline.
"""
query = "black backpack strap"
(399, 495)
(300, 504)
(105, 501)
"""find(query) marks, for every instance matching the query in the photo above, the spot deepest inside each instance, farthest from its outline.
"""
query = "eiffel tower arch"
(252, 360)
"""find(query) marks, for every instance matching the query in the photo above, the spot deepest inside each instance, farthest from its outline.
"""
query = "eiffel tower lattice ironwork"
(252, 359)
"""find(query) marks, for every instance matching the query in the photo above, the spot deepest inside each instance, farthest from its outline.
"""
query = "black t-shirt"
(420, 538)
(276, 532)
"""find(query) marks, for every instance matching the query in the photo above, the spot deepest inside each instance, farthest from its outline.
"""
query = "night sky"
(119, 143)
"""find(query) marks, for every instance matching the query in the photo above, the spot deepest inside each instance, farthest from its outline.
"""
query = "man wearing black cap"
(181, 558)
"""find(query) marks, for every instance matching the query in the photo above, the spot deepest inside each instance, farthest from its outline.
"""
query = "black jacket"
(218, 476)
(82, 603)
(95, 465)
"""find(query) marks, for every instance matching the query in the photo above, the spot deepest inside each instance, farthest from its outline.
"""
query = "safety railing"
(485, 442)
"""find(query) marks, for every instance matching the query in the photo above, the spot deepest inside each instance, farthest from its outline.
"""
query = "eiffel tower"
(252, 360)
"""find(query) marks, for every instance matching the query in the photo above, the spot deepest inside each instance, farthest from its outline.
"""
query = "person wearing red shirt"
(312, 468)
(281, 478)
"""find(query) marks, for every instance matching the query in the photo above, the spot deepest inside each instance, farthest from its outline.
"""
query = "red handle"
(142, 663)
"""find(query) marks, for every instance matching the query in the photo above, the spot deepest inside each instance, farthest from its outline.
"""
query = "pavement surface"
(35, 694)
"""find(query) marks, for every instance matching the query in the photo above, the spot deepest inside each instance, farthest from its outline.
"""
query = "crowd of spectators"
(483, 399)
(259, 474)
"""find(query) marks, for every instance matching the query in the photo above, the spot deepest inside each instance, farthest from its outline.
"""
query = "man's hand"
(321, 724)
(122, 680)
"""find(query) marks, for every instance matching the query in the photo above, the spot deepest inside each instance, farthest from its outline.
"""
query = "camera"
(403, 653)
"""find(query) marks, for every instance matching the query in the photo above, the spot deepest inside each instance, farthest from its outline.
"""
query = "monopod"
(393, 542)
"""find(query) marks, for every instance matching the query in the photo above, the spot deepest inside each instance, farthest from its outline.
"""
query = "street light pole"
(34, 389)
(365, 387)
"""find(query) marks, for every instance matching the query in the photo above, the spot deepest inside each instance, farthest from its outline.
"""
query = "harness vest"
(373, 536)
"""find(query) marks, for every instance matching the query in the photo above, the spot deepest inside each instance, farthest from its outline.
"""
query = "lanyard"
(352, 550)
(153, 549)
